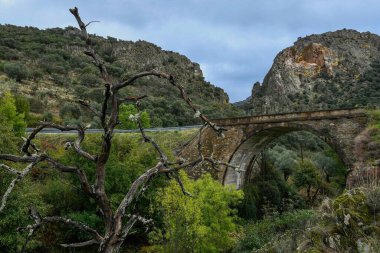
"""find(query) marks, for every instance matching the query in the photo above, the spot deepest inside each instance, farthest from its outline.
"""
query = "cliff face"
(332, 70)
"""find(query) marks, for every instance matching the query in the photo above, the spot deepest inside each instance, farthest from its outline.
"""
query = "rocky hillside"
(332, 70)
(48, 67)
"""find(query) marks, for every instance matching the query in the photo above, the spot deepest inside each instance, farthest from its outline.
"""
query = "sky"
(234, 41)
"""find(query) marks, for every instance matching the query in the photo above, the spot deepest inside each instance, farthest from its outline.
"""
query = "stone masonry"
(246, 137)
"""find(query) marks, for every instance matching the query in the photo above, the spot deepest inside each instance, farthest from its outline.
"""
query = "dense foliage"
(295, 171)
(349, 223)
(258, 234)
(207, 220)
(203, 222)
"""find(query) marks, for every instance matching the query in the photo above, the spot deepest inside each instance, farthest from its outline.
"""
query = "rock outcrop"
(332, 70)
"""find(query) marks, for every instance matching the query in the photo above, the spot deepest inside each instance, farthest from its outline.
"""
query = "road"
(157, 129)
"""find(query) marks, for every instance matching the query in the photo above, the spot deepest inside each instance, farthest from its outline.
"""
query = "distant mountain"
(48, 67)
(332, 70)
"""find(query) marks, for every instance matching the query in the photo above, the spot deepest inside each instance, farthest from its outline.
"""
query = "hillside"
(332, 70)
(49, 68)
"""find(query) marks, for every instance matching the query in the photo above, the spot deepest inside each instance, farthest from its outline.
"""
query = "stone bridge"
(246, 137)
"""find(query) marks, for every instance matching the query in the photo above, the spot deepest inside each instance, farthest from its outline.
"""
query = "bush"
(36, 105)
(70, 111)
(258, 234)
(89, 80)
(16, 71)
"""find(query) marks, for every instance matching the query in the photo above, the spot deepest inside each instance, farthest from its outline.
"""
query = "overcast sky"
(234, 41)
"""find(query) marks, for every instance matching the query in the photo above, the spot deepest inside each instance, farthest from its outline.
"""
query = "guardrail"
(157, 129)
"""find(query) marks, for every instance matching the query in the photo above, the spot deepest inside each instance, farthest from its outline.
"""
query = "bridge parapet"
(289, 117)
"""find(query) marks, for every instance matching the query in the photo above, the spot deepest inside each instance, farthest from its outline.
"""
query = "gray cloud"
(235, 42)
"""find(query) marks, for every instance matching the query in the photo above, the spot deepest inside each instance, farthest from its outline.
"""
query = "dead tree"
(117, 223)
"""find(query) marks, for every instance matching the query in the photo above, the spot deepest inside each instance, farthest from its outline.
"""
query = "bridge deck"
(294, 116)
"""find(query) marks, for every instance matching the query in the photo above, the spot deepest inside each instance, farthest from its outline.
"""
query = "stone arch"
(258, 138)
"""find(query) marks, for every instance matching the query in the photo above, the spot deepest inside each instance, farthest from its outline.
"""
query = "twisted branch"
(39, 222)
(13, 183)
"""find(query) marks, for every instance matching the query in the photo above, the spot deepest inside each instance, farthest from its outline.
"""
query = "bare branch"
(90, 51)
(88, 106)
(14, 182)
(215, 163)
(75, 145)
(179, 181)
(75, 224)
(39, 221)
(125, 232)
(191, 164)
(78, 148)
(139, 75)
(132, 98)
(136, 185)
(10, 170)
(98, 62)
(80, 244)
(36, 159)
(107, 94)
(205, 120)
(127, 228)
(28, 141)
(146, 138)
(81, 174)
(89, 23)
(20, 159)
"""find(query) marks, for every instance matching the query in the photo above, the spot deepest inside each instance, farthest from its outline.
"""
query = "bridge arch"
(258, 139)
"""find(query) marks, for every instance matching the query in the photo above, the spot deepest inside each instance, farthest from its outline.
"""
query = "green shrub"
(70, 111)
(90, 80)
(16, 71)
(258, 234)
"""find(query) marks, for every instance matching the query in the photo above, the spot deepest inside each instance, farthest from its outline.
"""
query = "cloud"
(7, 2)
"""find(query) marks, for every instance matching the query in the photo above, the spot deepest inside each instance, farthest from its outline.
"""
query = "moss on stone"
(347, 224)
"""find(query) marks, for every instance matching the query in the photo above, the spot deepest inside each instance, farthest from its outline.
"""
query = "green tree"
(326, 164)
(307, 176)
(201, 223)
(70, 111)
(127, 116)
(22, 106)
(283, 159)
(9, 116)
